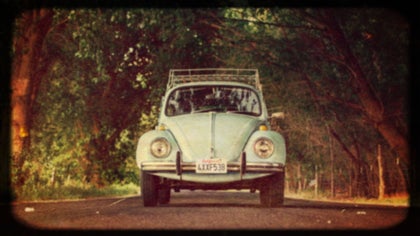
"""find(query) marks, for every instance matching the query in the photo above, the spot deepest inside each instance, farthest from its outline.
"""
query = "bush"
(73, 190)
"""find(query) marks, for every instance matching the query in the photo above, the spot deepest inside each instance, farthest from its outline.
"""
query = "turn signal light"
(263, 128)
(161, 128)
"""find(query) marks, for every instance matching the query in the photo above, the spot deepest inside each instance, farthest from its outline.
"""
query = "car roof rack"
(181, 76)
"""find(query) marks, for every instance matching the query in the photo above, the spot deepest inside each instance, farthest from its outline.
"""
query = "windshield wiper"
(244, 113)
(219, 109)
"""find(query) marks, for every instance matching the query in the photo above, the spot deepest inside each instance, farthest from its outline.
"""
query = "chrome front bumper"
(235, 170)
(231, 167)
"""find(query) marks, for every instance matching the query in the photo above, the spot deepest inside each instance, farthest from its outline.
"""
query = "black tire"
(272, 190)
(164, 195)
(149, 190)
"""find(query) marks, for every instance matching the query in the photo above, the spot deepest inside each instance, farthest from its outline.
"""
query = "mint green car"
(213, 133)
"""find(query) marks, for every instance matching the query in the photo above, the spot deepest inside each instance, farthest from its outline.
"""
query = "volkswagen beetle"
(213, 133)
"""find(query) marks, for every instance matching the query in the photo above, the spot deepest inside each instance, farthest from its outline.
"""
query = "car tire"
(164, 195)
(149, 191)
(272, 190)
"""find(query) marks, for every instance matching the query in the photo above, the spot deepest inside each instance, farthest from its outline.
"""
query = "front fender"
(143, 152)
(279, 155)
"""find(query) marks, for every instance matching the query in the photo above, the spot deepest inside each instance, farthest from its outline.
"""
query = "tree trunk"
(299, 178)
(286, 181)
(31, 29)
(316, 181)
(381, 187)
(403, 184)
(350, 194)
(332, 165)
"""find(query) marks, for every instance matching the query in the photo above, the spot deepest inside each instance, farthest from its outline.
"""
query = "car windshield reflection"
(196, 99)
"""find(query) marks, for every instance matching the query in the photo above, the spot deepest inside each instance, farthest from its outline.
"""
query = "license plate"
(211, 166)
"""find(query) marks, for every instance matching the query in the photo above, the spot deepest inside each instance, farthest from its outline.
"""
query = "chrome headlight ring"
(160, 148)
(264, 147)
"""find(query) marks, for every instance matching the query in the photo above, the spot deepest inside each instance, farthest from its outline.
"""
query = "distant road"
(205, 210)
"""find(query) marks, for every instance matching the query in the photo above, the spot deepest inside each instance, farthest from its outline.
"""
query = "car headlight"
(160, 148)
(264, 147)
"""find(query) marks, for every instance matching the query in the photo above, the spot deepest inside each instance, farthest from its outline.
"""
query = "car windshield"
(196, 99)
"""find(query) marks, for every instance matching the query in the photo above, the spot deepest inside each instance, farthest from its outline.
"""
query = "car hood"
(212, 135)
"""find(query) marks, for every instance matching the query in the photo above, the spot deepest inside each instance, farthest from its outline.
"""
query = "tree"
(344, 68)
(32, 27)
(104, 71)
(371, 103)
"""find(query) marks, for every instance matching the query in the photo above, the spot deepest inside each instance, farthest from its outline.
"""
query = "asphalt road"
(205, 210)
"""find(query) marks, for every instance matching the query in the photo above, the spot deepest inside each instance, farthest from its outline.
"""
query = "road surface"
(205, 210)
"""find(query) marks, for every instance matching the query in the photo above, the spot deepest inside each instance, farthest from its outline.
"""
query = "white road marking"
(116, 202)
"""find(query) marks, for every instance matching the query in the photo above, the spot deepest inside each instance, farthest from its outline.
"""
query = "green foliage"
(149, 120)
(107, 70)
(304, 77)
(76, 190)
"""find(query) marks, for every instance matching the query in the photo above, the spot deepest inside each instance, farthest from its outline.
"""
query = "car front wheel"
(272, 190)
(149, 190)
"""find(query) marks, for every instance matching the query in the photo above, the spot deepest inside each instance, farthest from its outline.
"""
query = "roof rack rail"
(181, 76)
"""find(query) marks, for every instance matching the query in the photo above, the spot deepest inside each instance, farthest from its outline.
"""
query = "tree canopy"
(86, 83)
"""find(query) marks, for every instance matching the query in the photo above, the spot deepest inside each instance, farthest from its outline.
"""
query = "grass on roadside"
(75, 191)
(397, 200)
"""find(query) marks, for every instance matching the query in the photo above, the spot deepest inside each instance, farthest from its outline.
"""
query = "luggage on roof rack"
(181, 76)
